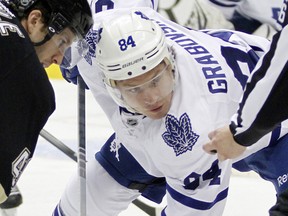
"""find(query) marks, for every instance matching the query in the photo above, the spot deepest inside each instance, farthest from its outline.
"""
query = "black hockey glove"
(281, 206)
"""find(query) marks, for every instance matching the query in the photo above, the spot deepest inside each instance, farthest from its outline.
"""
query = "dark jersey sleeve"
(264, 104)
(26, 101)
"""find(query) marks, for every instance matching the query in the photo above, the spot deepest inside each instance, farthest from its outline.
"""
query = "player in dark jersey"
(33, 34)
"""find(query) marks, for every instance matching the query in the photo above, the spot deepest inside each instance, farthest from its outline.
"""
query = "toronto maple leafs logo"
(179, 134)
(91, 38)
(99, 32)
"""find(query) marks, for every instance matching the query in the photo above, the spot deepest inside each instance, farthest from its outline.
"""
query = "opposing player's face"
(151, 93)
(52, 51)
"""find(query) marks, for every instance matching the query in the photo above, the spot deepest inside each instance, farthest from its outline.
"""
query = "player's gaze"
(148, 89)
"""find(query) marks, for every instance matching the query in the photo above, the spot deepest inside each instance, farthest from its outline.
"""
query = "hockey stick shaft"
(73, 155)
(82, 144)
(58, 144)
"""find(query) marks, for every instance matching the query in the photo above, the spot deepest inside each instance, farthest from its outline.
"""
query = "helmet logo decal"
(25, 2)
(132, 62)
(179, 134)
(52, 29)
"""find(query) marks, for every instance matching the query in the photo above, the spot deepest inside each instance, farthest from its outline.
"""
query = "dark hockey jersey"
(26, 100)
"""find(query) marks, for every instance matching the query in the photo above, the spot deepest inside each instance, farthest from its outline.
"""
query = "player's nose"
(57, 58)
(150, 97)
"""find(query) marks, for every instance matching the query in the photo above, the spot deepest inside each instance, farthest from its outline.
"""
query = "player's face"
(151, 93)
(52, 51)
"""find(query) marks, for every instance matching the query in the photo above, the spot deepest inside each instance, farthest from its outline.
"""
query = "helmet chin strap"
(47, 37)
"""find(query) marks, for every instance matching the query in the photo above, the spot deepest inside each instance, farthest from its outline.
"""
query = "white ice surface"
(46, 175)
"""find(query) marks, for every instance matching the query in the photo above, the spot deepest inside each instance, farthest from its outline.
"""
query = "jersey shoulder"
(99, 5)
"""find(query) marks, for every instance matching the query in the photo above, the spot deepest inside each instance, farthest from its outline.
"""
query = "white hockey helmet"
(129, 46)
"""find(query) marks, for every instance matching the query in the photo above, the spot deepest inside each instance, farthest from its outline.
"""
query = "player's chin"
(155, 117)
(46, 64)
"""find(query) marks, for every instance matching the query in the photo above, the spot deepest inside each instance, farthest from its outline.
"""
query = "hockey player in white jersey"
(195, 14)
(203, 86)
(251, 16)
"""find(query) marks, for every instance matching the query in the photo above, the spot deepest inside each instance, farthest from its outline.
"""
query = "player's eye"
(62, 44)
(155, 81)
(135, 90)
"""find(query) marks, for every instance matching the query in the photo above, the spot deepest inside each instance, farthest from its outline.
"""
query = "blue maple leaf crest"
(179, 134)
(91, 38)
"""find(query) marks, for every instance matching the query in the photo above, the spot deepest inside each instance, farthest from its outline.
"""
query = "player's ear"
(34, 22)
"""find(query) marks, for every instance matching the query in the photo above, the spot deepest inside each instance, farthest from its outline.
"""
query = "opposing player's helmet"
(75, 14)
(129, 46)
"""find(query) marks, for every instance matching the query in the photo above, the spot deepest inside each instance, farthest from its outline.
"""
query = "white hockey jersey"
(196, 14)
(265, 11)
(102, 5)
(211, 76)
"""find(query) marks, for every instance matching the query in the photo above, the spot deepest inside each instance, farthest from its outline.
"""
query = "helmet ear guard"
(20, 6)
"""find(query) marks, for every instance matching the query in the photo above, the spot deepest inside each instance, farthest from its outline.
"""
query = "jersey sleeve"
(106, 196)
(27, 100)
(226, 6)
(264, 105)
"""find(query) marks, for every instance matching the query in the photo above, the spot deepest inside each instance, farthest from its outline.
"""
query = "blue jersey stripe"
(153, 3)
(194, 203)
(58, 211)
